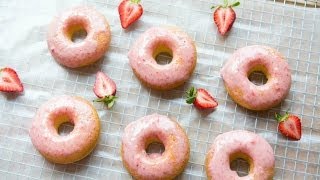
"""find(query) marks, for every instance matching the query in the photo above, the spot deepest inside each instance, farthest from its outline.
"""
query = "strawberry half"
(201, 98)
(289, 126)
(105, 89)
(224, 16)
(10, 81)
(129, 11)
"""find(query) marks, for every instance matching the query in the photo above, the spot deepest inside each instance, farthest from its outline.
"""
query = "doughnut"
(74, 146)
(158, 40)
(83, 53)
(150, 129)
(248, 59)
(240, 144)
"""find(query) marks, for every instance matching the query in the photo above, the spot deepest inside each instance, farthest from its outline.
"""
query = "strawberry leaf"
(215, 7)
(277, 116)
(235, 4)
(190, 100)
(191, 95)
(280, 118)
(111, 103)
(107, 100)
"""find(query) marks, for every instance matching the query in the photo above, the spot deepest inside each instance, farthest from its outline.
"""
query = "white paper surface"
(293, 30)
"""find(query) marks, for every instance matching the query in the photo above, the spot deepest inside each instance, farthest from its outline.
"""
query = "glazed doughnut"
(158, 40)
(149, 129)
(240, 144)
(88, 51)
(246, 60)
(74, 146)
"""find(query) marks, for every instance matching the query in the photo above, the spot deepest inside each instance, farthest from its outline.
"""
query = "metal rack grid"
(293, 30)
(305, 3)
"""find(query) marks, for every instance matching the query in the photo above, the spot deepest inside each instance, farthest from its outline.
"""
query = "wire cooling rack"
(305, 3)
(292, 27)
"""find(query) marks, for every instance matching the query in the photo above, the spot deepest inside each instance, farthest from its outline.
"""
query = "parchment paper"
(291, 29)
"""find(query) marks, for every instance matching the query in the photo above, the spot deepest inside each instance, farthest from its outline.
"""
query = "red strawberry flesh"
(10, 81)
(224, 19)
(204, 100)
(224, 16)
(129, 11)
(290, 126)
(104, 86)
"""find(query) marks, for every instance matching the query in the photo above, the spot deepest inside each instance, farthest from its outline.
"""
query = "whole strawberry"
(224, 16)
(289, 126)
(201, 98)
(105, 89)
(9, 80)
(129, 11)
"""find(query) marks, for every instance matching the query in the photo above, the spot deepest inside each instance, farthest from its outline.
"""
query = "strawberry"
(201, 98)
(105, 89)
(129, 11)
(9, 80)
(224, 16)
(289, 125)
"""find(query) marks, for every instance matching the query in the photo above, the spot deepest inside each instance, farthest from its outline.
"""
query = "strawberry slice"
(104, 86)
(224, 16)
(201, 98)
(289, 126)
(10, 81)
(105, 89)
(129, 11)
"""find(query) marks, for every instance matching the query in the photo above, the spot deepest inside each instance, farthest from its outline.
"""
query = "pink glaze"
(90, 49)
(74, 146)
(163, 76)
(138, 134)
(244, 142)
(236, 70)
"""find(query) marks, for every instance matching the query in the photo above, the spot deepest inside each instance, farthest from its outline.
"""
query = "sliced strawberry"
(224, 16)
(289, 126)
(105, 89)
(10, 81)
(201, 98)
(104, 86)
(129, 11)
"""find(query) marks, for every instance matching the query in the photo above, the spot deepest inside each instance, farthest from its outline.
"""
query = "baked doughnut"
(83, 53)
(240, 144)
(149, 129)
(246, 60)
(74, 146)
(158, 40)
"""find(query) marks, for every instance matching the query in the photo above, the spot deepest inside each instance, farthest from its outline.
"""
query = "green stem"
(135, 1)
(107, 100)
(225, 3)
(280, 118)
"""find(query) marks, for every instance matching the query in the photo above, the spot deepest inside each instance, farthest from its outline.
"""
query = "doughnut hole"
(163, 55)
(63, 124)
(65, 128)
(154, 147)
(241, 163)
(76, 30)
(79, 35)
(258, 75)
